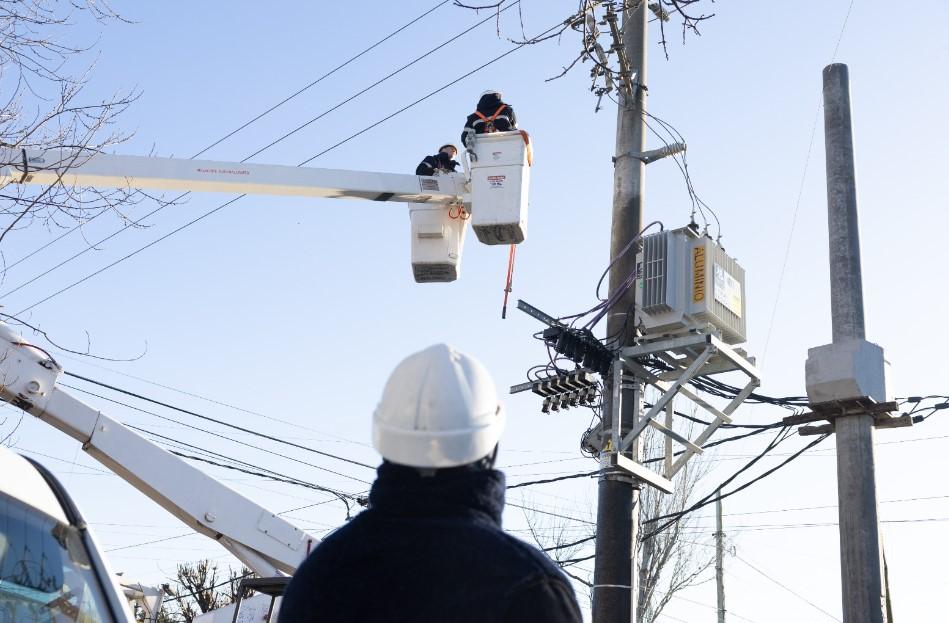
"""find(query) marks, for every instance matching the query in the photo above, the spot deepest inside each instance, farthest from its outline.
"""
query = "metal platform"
(689, 357)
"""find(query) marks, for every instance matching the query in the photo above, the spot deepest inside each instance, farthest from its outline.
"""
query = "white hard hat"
(439, 409)
(491, 92)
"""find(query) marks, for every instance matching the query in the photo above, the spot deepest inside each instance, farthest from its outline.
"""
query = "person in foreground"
(430, 547)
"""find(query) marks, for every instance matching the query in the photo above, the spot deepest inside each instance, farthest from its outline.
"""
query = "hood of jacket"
(466, 491)
(489, 103)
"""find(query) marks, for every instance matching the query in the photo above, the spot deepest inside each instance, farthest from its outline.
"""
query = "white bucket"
(438, 238)
(500, 179)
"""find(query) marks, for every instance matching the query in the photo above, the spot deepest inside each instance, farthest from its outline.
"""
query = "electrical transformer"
(687, 282)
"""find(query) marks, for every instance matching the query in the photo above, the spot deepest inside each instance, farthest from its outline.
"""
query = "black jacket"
(488, 105)
(429, 550)
(439, 161)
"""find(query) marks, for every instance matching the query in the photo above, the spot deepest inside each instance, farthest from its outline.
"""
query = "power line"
(211, 419)
(815, 524)
(435, 49)
(800, 195)
(326, 75)
(549, 480)
(571, 544)
(215, 401)
(219, 435)
(830, 506)
(552, 514)
(218, 585)
(704, 605)
(246, 467)
(292, 481)
(712, 498)
(56, 458)
(240, 128)
(169, 538)
(782, 585)
(517, 47)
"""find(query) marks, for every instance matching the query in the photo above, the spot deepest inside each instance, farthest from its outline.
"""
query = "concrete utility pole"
(860, 560)
(615, 576)
(720, 558)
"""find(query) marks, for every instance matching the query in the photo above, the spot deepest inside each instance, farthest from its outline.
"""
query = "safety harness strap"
(489, 121)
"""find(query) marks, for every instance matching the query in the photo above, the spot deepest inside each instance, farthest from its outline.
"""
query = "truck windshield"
(45, 572)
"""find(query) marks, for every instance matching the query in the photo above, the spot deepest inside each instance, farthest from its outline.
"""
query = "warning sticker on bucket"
(429, 184)
(496, 181)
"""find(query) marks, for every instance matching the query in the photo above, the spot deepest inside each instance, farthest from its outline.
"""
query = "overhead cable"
(224, 437)
(517, 47)
(217, 421)
(250, 122)
(258, 152)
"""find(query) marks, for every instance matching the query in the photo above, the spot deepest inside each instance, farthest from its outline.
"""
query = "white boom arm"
(85, 168)
(266, 543)
(495, 193)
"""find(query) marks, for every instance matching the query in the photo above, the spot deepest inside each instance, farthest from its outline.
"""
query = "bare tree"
(559, 540)
(43, 79)
(598, 24)
(197, 590)
(669, 560)
(44, 74)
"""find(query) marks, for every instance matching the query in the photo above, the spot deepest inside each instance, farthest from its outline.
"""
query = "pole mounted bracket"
(653, 154)
(689, 357)
(830, 411)
(638, 471)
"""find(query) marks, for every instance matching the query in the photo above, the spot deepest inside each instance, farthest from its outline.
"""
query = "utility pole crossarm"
(78, 168)
(266, 543)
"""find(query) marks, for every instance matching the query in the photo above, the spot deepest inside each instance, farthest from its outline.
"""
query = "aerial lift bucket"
(438, 238)
(500, 179)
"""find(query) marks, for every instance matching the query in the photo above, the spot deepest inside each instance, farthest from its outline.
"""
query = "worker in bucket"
(430, 548)
(442, 162)
(491, 115)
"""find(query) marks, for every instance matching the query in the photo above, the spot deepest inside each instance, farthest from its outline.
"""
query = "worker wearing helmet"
(430, 547)
(491, 115)
(442, 162)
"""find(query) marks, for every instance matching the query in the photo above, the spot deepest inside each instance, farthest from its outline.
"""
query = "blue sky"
(298, 308)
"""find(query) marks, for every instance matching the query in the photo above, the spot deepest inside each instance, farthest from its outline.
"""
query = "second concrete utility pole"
(720, 558)
(860, 561)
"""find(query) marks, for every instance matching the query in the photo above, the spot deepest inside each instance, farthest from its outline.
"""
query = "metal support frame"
(693, 356)
(830, 412)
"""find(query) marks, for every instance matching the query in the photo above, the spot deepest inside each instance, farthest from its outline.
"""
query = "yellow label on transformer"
(698, 274)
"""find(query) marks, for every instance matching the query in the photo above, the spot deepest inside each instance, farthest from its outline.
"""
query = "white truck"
(51, 569)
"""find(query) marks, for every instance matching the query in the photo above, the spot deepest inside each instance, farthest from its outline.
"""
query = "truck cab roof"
(23, 481)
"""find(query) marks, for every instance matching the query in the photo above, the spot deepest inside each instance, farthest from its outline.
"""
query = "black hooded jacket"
(488, 105)
(429, 550)
(440, 161)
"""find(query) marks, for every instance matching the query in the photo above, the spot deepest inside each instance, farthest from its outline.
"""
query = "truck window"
(45, 572)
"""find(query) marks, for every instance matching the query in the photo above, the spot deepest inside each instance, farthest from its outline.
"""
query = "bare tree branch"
(43, 77)
(197, 591)
(591, 49)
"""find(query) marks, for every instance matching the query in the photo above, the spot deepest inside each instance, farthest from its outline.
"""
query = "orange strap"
(491, 119)
(510, 279)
